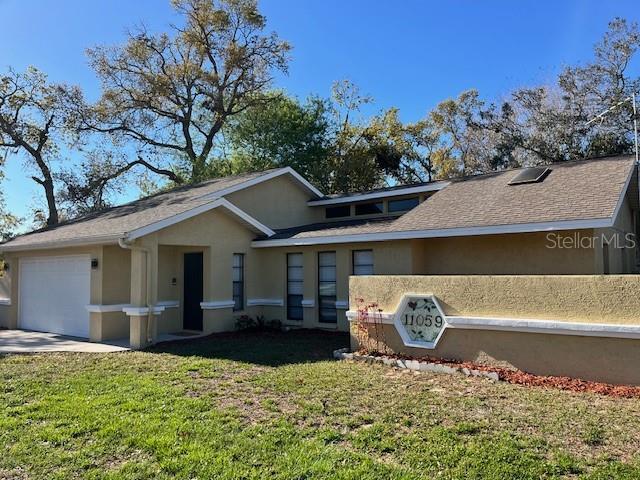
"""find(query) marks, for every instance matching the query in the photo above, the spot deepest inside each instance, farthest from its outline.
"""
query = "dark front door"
(192, 316)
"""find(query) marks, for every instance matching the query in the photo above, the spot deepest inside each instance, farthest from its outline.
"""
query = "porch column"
(143, 294)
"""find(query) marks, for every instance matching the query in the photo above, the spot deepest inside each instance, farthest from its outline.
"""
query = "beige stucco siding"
(512, 254)
(610, 299)
(116, 275)
(278, 203)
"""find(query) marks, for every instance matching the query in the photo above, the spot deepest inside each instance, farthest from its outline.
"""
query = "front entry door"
(193, 286)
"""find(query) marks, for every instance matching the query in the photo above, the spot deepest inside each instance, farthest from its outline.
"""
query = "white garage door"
(54, 293)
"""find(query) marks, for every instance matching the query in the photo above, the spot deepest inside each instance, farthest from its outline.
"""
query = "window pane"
(403, 205)
(369, 208)
(337, 212)
(327, 259)
(327, 274)
(237, 260)
(295, 288)
(328, 288)
(295, 273)
(295, 313)
(363, 257)
(294, 259)
(363, 269)
(328, 315)
(237, 275)
(237, 289)
(294, 300)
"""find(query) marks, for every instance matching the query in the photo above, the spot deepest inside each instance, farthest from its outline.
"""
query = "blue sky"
(411, 53)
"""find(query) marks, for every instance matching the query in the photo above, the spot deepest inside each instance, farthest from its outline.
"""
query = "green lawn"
(276, 407)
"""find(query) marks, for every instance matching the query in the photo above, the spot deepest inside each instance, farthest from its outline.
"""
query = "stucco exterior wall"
(570, 298)
(278, 203)
(395, 257)
(601, 299)
(512, 254)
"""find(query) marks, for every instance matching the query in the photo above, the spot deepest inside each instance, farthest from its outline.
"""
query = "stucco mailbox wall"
(584, 326)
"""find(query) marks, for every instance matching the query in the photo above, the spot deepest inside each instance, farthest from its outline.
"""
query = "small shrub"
(260, 323)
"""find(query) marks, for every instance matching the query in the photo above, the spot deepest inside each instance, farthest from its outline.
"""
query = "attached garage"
(54, 293)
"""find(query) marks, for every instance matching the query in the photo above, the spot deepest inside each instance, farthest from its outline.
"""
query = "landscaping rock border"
(415, 365)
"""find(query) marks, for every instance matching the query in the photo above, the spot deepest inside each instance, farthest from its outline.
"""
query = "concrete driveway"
(23, 341)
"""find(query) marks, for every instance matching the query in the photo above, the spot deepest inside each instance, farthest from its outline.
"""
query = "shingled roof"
(581, 194)
(117, 222)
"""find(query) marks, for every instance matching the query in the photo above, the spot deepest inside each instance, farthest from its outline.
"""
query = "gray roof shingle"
(117, 221)
(582, 190)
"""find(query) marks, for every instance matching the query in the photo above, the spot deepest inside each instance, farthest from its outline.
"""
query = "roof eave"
(439, 233)
(91, 241)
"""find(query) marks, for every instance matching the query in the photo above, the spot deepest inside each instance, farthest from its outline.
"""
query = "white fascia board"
(258, 226)
(437, 233)
(265, 302)
(359, 197)
(263, 178)
(217, 305)
(219, 202)
(76, 242)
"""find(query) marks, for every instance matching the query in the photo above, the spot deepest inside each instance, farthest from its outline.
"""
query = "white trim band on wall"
(140, 311)
(550, 327)
(107, 308)
(265, 302)
(308, 303)
(5, 302)
(217, 305)
(168, 304)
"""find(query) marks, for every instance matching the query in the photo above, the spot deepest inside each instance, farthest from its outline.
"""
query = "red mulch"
(519, 377)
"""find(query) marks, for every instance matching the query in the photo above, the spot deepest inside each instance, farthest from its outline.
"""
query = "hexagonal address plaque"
(420, 321)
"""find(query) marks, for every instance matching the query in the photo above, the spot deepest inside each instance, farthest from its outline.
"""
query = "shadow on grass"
(260, 347)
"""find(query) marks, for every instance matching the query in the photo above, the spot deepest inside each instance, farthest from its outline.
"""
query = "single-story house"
(270, 243)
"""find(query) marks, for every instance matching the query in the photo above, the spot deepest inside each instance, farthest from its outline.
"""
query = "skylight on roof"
(530, 175)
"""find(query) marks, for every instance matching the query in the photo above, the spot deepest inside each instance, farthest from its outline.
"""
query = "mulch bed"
(519, 377)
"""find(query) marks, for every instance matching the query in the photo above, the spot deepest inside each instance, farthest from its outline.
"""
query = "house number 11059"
(411, 319)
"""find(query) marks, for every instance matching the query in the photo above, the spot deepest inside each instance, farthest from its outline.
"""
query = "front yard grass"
(274, 406)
